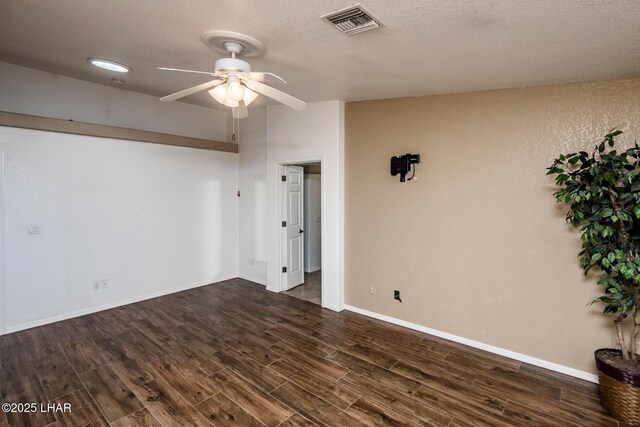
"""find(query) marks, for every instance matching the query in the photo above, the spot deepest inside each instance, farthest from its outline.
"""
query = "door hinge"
(284, 269)
(284, 223)
(284, 177)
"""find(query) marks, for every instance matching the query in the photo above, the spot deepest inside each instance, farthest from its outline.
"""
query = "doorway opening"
(301, 216)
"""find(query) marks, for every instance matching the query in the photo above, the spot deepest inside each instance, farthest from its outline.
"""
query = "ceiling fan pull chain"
(233, 130)
(235, 136)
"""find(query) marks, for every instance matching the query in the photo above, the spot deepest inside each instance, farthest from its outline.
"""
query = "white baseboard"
(333, 307)
(587, 376)
(253, 279)
(313, 269)
(85, 311)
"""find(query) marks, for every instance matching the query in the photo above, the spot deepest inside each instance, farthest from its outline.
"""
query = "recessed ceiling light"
(109, 65)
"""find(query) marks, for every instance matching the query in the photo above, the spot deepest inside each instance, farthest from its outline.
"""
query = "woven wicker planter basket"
(619, 390)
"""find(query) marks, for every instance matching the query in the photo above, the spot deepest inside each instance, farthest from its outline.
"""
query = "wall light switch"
(104, 283)
(95, 285)
(317, 219)
(33, 229)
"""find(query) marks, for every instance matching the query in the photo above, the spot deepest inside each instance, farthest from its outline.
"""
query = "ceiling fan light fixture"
(109, 65)
(249, 96)
(230, 103)
(219, 93)
(225, 95)
(235, 91)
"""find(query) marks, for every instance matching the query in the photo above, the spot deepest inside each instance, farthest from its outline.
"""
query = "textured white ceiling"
(425, 47)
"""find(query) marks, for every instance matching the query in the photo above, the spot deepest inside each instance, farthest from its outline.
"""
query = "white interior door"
(294, 217)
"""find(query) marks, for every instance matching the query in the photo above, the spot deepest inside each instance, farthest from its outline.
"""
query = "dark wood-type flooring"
(233, 354)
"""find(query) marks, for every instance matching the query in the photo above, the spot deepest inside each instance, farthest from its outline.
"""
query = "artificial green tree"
(602, 190)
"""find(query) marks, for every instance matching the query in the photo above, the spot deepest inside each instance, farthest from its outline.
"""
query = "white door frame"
(281, 285)
(2, 247)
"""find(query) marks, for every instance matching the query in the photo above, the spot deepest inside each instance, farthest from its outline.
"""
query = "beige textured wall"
(478, 246)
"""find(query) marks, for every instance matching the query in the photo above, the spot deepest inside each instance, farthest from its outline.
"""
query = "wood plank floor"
(233, 354)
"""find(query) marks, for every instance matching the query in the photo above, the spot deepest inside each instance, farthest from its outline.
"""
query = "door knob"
(301, 230)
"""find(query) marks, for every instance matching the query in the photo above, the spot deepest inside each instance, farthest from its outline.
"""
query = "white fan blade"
(240, 112)
(191, 90)
(279, 96)
(260, 76)
(209, 73)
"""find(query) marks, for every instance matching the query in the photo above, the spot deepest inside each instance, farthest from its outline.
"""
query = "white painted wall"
(312, 223)
(28, 91)
(253, 138)
(294, 137)
(152, 219)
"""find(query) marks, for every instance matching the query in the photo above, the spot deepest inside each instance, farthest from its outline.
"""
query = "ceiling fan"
(235, 85)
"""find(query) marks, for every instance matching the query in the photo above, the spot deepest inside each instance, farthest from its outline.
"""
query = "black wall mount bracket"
(401, 165)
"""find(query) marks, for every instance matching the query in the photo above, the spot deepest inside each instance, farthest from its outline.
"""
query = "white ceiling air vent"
(353, 20)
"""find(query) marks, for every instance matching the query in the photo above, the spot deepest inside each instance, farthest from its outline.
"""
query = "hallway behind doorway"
(310, 290)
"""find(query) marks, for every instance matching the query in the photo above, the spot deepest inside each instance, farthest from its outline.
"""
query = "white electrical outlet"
(372, 289)
(104, 283)
(95, 285)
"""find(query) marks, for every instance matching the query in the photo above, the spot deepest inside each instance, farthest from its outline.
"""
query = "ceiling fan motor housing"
(232, 65)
